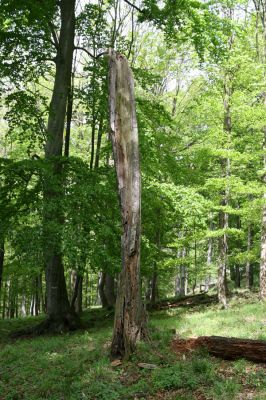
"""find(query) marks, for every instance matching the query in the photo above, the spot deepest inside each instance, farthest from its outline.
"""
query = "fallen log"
(224, 347)
(184, 301)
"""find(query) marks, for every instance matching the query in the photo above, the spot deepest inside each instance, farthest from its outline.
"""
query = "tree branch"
(133, 5)
(85, 50)
(90, 54)
(54, 35)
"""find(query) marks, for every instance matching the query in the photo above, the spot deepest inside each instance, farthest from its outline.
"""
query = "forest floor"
(76, 366)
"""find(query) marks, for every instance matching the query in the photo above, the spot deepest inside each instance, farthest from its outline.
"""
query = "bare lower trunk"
(261, 11)
(23, 306)
(110, 290)
(2, 256)
(237, 276)
(249, 267)
(5, 287)
(221, 279)
(209, 259)
(101, 290)
(35, 300)
(183, 276)
(263, 255)
(223, 215)
(130, 319)
(154, 288)
(76, 300)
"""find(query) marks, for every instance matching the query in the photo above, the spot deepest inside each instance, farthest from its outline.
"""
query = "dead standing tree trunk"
(130, 320)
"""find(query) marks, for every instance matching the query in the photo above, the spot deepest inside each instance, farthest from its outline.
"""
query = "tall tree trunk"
(23, 309)
(263, 250)
(59, 311)
(99, 141)
(260, 7)
(130, 318)
(184, 275)
(109, 290)
(78, 304)
(2, 256)
(76, 301)
(238, 277)
(223, 215)
(69, 117)
(86, 289)
(154, 289)
(209, 259)
(106, 289)
(101, 290)
(249, 267)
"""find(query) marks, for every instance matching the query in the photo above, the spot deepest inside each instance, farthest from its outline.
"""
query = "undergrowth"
(76, 366)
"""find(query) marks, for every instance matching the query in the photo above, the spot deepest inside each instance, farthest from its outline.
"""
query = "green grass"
(76, 366)
(242, 319)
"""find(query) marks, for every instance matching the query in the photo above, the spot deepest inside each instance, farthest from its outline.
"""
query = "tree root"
(67, 323)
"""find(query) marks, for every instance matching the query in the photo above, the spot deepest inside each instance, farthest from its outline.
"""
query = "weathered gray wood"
(129, 318)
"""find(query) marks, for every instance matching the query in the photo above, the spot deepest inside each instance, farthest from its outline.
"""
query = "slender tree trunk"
(209, 259)
(260, 7)
(154, 285)
(23, 305)
(263, 230)
(130, 318)
(78, 304)
(101, 290)
(4, 300)
(109, 290)
(237, 277)
(86, 289)
(2, 256)
(59, 313)
(223, 215)
(12, 287)
(263, 252)
(183, 275)
(99, 141)
(249, 267)
(76, 301)
(69, 117)
(222, 261)
(177, 285)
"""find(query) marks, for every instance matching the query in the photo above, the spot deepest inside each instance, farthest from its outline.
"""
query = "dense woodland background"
(199, 73)
(199, 70)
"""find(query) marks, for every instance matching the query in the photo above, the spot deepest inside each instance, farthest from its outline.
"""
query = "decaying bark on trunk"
(224, 347)
(130, 320)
